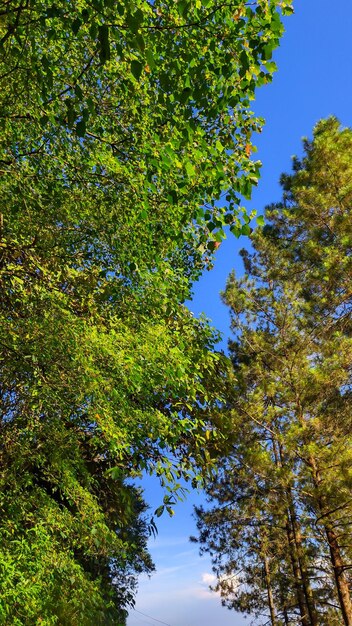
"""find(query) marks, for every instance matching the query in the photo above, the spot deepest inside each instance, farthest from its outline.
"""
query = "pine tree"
(290, 420)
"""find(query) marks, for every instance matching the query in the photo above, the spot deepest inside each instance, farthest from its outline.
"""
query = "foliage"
(281, 528)
(150, 109)
(123, 125)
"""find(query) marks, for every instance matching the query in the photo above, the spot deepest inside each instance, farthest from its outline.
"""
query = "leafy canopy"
(122, 125)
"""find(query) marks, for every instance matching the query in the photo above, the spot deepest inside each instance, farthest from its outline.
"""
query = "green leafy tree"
(123, 126)
(147, 104)
(289, 423)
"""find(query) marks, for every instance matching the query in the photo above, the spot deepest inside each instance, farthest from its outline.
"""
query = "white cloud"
(208, 579)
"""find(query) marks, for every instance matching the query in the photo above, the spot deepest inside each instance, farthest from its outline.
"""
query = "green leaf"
(81, 128)
(71, 115)
(182, 7)
(93, 31)
(76, 25)
(159, 511)
(85, 114)
(173, 196)
(271, 66)
(85, 15)
(134, 20)
(244, 63)
(246, 230)
(267, 51)
(246, 188)
(78, 92)
(236, 230)
(150, 58)
(136, 69)
(140, 42)
(190, 169)
(185, 95)
(104, 43)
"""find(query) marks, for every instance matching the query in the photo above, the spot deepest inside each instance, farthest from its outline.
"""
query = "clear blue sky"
(314, 80)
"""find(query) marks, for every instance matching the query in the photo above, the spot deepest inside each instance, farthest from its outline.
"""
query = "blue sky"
(314, 80)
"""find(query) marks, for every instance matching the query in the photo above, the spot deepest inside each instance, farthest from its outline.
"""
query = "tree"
(122, 126)
(151, 107)
(289, 421)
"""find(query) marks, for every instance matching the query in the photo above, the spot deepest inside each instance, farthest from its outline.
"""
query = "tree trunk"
(301, 556)
(283, 600)
(269, 591)
(337, 561)
(293, 543)
(339, 573)
(285, 615)
(296, 575)
(307, 589)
